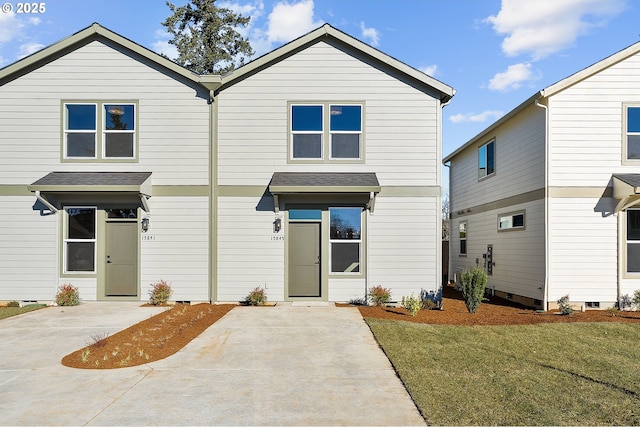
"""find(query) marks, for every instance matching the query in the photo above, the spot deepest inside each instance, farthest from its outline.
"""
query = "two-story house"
(546, 198)
(313, 171)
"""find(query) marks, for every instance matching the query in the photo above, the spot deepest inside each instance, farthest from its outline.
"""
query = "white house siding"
(400, 129)
(518, 254)
(582, 250)
(586, 127)
(250, 254)
(173, 140)
(176, 247)
(519, 163)
(173, 122)
(28, 248)
(403, 245)
(346, 290)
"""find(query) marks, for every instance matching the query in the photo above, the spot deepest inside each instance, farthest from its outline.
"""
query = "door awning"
(626, 190)
(324, 183)
(136, 184)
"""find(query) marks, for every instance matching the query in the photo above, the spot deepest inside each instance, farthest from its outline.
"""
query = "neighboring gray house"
(312, 171)
(551, 191)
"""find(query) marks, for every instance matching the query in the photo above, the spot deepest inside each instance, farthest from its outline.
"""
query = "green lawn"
(12, 311)
(550, 374)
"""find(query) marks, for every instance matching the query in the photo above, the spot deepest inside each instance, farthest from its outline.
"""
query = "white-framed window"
(462, 238)
(80, 239)
(633, 241)
(80, 131)
(118, 131)
(511, 221)
(313, 124)
(487, 159)
(632, 132)
(99, 131)
(345, 240)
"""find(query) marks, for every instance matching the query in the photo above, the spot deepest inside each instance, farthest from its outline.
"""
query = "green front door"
(121, 271)
(304, 259)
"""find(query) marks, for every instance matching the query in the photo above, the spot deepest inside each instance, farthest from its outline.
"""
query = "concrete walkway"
(283, 365)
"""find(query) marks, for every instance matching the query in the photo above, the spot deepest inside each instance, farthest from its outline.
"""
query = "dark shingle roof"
(92, 178)
(316, 182)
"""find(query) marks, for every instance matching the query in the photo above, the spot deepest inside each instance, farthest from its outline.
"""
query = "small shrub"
(98, 339)
(379, 295)
(13, 304)
(474, 282)
(68, 295)
(358, 301)
(412, 304)
(636, 299)
(613, 311)
(431, 300)
(625, 302)
(258, 296)
(564, 306)
(160, 293)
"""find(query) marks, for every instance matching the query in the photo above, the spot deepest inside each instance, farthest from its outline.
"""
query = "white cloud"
(542, 27)
(476, 118)
(10, 27)
(371, 34)
(429, 70)
(28, 48)
(288, 21)
(512, 78)
(162, 45)
(35, 21)
(249, 9)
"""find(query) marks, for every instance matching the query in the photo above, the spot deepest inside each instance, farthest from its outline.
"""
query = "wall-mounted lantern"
(145, 225)
(277, 225)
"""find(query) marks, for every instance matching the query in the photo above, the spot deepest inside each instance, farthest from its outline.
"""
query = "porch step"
(312, 304)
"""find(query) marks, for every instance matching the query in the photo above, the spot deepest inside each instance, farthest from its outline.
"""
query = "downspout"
(439, 278)
(545, 303)
(213, 201)
(45, 202)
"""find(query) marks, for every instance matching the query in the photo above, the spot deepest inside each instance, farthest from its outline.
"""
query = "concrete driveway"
(283, 365)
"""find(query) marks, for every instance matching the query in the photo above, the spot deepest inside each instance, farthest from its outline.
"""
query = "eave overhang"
(626, 190)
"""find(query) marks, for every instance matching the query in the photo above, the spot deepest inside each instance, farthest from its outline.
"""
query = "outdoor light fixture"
(277, 225)
(145, 225)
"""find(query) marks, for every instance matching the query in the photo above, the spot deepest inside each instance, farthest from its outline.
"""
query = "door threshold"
(312, 304)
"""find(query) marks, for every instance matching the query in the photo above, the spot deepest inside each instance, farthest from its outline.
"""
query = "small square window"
(511, 221)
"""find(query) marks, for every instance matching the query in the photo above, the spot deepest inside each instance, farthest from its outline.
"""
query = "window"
(80, 240)
(80, 130)
(511, 221)
(89, 135)
(486, 159)
(633, 132)
(462, 247)
(633, 240)
(119, 131)
(345, 238)
(312, 125)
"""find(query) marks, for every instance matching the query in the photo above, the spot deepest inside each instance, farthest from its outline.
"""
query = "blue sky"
(495, 53)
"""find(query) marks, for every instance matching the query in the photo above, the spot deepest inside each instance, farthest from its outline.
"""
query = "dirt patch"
(495, 311)
(153, 339)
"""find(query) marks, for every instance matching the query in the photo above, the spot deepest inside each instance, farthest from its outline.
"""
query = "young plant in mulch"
(68, 295)
(636, 299)
(564, 306)
(258, 296)
(160, 293)
(412, 304)
(474, 282)
(379, 295)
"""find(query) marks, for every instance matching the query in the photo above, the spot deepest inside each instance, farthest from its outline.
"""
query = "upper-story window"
(632, 142)
(487, 159)
(326, 131)
(99, 131)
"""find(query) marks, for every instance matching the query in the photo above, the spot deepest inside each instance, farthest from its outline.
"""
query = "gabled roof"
(95, 32)
(328, 32)
(552, 90)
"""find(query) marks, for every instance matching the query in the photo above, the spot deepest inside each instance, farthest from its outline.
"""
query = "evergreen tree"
(206, 36)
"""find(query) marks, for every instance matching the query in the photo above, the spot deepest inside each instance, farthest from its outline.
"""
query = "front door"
(121, 277)
(304, 259)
